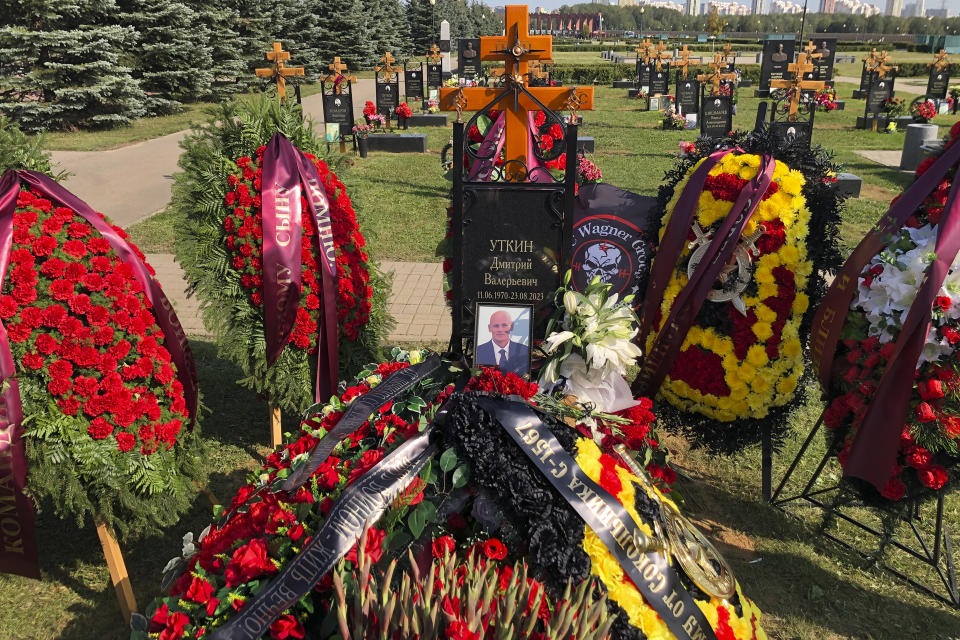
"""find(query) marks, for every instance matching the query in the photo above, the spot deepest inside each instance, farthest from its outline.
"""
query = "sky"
(953, 5)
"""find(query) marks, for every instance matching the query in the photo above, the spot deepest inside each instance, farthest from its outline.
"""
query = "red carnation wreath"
(104, 410)
(243, 229)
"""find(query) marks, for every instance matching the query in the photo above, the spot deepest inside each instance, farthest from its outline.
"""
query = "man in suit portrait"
(511, 356)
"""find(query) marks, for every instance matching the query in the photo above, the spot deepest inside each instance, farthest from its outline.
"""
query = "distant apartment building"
(663, 4)
(827, 6)
(728, 8)
(759, 7)
(783, 6)
(894, 8)
(856, 7)
(693, 7)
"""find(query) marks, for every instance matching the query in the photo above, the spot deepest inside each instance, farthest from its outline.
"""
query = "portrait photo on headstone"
(503, 337)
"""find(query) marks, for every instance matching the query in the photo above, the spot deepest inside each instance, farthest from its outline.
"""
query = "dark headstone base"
(632, 93)
(398, 143)
(882, 121)
(428, 120)
(746, 82)
(849, 184)
(623, 84)
(841, 105)
(859, 95)
(585, 144)
(761, 93)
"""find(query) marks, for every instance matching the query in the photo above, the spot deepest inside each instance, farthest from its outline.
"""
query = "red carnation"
(933, 477)
(99, 428)
(925, 412)
(286, 626)
(248, 562)
(125, 441)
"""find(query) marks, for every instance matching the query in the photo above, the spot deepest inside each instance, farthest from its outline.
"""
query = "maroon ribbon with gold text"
(657, 362)
(285, 171)
(18, 553)
(874, 449)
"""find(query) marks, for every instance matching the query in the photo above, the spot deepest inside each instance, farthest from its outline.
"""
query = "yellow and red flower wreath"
(739, 365)
(623, 484)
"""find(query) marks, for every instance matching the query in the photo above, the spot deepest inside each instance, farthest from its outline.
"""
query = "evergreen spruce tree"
(60, 71)
(394, 15)
(173, 58)
(346, 33)
(296, 24)
(423, 33)
(253, 40)
(228, 63)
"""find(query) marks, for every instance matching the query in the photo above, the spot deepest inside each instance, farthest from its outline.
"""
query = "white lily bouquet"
(590, 355)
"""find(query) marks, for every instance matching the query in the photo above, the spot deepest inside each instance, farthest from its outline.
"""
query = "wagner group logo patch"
(612, 249)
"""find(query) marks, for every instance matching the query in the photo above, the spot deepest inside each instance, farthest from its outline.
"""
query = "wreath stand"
(118, 572)
(276, 428)
(936, 552)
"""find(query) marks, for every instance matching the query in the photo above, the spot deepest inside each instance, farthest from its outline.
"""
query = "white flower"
(608, 393)
(570, 302)
(555, 339)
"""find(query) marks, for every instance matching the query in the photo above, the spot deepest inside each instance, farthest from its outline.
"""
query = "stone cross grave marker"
(939, 80)
(387, 87)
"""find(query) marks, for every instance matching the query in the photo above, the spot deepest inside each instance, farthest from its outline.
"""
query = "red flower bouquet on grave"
(403, 110)
(887, 287)
(369, 109)
(243, 236)
(106, 417)
(529, 539)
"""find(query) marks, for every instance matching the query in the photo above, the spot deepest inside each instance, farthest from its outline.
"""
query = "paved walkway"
(416, 300)
(902, 85)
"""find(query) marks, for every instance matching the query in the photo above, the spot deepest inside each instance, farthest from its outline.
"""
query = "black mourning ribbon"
(651, 573)
(359, 412)
(360, 505)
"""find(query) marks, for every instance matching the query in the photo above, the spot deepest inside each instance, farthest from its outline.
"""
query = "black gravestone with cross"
(716, 117)
(434, 68)
(688, 96)
(777, 55)
(660, 81)
(939, 80)
(387, 87)
(337, 90)
(881, 89)
(413, 82)
(786, 125)
(511, 234)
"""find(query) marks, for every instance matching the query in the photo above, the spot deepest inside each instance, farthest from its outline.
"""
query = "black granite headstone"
(468, 57)
(338, 109)
(777, 56)
(434, 76)
(688, 95)
(644, 72)
(788, 133)
(938, 83)
(716, 117)
(413, 83)
(388, 98)
(823, 66)
(660, 81)
(880, 90)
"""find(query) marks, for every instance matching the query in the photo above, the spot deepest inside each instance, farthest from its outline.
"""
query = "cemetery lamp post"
(803, 20)
(433, 15)
(641, 22)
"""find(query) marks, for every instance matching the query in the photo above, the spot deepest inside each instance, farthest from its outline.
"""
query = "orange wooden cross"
(811, 49)
(684, 57)
(798, 84)
(726, 52)
(338, 70)
(435, 56)
(387, 66)
(644, 50)
(872, 57)
(660, 55)
(516, 49)
(939, 60)
(279, 72)
(880, 65)
(716, 78)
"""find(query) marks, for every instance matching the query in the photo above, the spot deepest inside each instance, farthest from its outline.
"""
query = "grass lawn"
(808, 589)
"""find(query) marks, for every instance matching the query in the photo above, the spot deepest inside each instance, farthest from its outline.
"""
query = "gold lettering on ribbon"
(281, 203)
(10, 527)
(318, 198)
